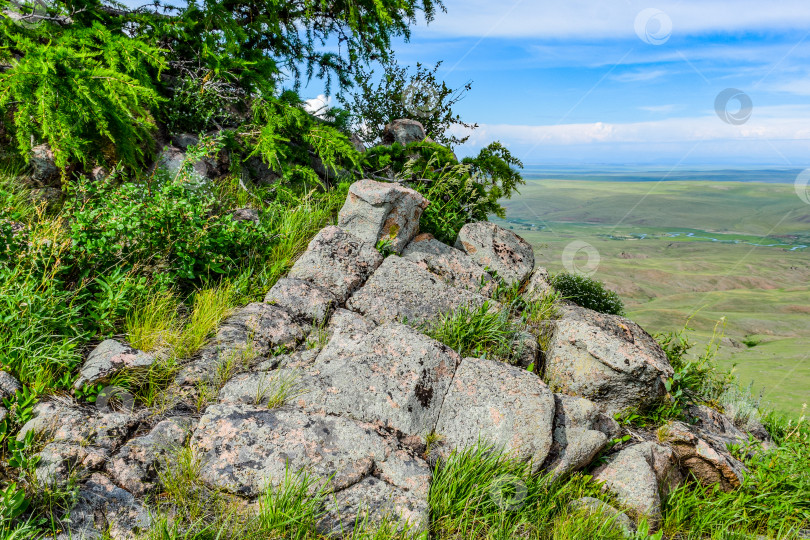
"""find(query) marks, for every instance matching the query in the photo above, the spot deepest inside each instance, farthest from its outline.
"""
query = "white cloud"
(601, 18)
(641, 75)
(319, 105)
(659, 109)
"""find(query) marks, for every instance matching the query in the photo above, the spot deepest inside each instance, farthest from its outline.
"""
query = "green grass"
(762, 292)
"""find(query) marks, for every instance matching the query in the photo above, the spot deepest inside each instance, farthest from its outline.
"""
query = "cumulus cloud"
(318, 106)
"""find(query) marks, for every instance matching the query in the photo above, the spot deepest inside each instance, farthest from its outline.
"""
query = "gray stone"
(184, 140)
(245, 450)
(455, 266)
(705, 456)
(402, 290)
(344, 333)
(374, 502)
(8, 385)
(77, 440)
(382, 211)
(337, 261)
(253, 331)
(619, 519)
(606, 358)
(640, 476)
(45, 196)
(527, 350)
(104, 510)
(498, 250)
(395, 376)
(135, 465)
(403, 131)
(502, 405)
(538, 285)
(302, 299)
(108, 359)
(581, 431)
(171, 160)
(246, 214)
(43, 165)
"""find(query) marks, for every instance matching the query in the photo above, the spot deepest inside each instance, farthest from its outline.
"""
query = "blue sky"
(626, 82)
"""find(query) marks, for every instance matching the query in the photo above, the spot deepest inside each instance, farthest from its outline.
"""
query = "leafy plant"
(588, 293)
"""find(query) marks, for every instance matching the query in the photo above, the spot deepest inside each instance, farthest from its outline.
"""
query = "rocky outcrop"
(332, 377)
(501, 405)
(605, 358)
(381, 211)
(337, 261)
(108, 359)
(43, 165)
(498, 250)
(401, 290)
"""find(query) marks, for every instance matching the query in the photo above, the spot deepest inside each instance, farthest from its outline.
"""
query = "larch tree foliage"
(93, 78)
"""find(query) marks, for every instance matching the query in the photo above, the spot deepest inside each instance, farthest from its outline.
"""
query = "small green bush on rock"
(588, 293)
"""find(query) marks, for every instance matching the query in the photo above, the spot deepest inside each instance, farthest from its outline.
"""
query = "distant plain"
(696, 250)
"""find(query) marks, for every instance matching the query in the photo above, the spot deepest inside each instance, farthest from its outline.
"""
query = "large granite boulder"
(338, 261)
(498, 404)
(607, 359)
(376, 211)
(394, 376)
(109, 358)
(498, 250)
(456, 267)
(402, 290)
(43, 165)
(641, 476)
(581, 431)
(403, 131)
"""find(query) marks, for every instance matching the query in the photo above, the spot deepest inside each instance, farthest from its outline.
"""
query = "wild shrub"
(588, 293)
(459, 192)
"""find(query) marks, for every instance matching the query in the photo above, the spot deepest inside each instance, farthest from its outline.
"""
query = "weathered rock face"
(704, 456)
(251, 332)
(401, 289)
(453, 265)
(502, 405)
(109, 358)
(498, 250)
(641, 476)
(337, 261)
(607, 359)
(134, 467)
(102, 506)
(302, 299)
(171, 160)
(244, 450)
(78, 440)
(377, 211)
(403, 131)
(395, 376)
(581, 431)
